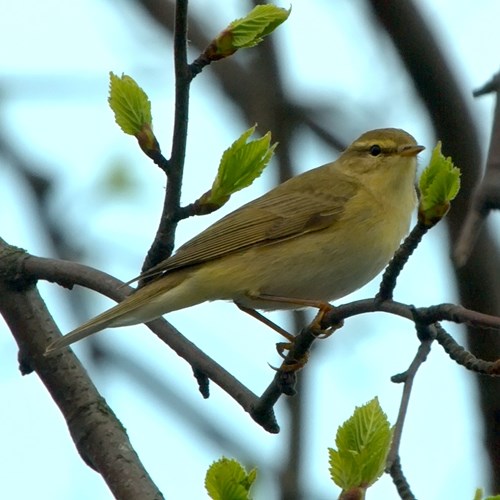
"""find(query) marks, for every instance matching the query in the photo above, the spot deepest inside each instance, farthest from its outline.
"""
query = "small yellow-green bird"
(315, 238)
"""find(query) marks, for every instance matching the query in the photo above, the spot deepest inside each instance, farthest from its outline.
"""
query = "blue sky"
(54, 65)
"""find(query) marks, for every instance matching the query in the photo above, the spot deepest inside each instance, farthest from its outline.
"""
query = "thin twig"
(400, 481)
(284, 380)
(458, 314)
(399, 260)
(407, 379)
(464, 357)
(164, 241)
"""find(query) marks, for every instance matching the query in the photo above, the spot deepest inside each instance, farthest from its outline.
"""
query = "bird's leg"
(323, 333)
(281, 347)
(268, 322)
(292, 301)
(323, 308)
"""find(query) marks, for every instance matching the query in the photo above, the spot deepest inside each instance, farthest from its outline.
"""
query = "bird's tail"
(143, 305)
(120, 315)
(74, 336)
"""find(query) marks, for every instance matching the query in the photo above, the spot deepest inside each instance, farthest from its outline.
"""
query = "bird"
(315, 238)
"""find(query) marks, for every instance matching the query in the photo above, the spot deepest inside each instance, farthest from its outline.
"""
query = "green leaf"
(226, 479)
(260, 22)
(129, 103)
(240, 165)
(363, 442)
(439, 185)
(247, 31)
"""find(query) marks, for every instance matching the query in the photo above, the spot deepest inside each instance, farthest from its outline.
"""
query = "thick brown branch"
(90, 421)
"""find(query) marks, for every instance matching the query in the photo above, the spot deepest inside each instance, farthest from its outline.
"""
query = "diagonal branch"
(69, 273)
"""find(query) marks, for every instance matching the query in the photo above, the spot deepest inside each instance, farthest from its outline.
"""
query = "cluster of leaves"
(363, 442)
(226, 479)
(243, 161)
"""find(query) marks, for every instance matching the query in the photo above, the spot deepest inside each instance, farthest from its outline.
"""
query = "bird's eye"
(375, 150)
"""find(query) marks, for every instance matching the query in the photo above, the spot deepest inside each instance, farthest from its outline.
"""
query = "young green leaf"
(439, 184)
(363, 442)
(247, 31)
(132, 110)
(240, 165)
(226, 479)
(129, 103)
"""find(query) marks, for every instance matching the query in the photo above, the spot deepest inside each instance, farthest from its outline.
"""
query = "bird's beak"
(410, 150)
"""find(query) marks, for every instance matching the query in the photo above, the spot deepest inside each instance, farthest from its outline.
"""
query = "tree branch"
(70, 273)
(407, 379)
(90, 420)
(164, 241)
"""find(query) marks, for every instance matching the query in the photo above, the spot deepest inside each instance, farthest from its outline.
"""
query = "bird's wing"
(289, 210)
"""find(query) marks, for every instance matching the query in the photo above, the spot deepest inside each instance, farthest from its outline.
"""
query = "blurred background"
(73, 186)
